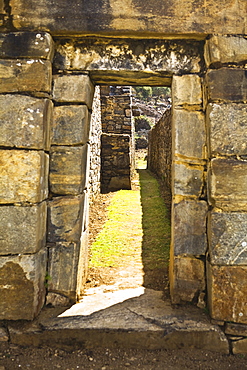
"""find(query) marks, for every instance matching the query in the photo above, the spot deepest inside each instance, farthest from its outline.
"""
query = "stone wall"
(160, 149)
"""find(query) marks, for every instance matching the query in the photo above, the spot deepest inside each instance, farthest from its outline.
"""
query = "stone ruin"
(51, 57)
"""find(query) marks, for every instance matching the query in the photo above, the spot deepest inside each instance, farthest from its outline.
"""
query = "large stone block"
(189, 133)
(189, 228)
(188, 180)
(68, 166)
(65, 218)
(24, 176)
(227, 184)
(22, 75)
(73, 89)
(227, 238)
(63, 267)
(187, 279)
(22, 229)
(38, 45)
(25, 122)
(22, 287)
(227, 292)
(225, 49)
(239, 346)
(227, 125)
(186, 90)
(227, 84)
(70, 125)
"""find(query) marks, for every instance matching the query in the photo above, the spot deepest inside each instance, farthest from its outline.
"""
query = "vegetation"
(146, 92)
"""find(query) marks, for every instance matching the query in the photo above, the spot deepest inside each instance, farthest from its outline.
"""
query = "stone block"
(227, 238)
(22, 75)
(187, 279)
(225, 49)
(65, 218)
(37, 45)
(186, 90)
(70, 125)
(189, 133)
(189, 228)
(187, 180)
(236, 329)
(22, 229)
(24, 176)
(227, 184)
(73, 89)
(239, 346)
(227, 125)
(63, 269)
(227, 84)
(68, 169)
(22, 287)
(227, 291)
(25, 122)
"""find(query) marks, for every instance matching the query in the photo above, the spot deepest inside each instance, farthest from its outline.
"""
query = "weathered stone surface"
(227, 238)
(227, 84)
(57, 300)
(82, 271)
(225, 49)
(3, 336)
(22, 229)
(186, 90)
(24, 176)
(125, 54)
(26, 45)
(25, 122)
(65, 217)
(63, 269)
(236, 329)
(188, 180)
(227, 289)
(189, 228)
(22, 285)
(189, 133)
(21, 75)
(68, 169)
(187, 279)
(70, 125)
(227, 124)
(131, 17)
(227, 184)
(73, 89)
(239, 346)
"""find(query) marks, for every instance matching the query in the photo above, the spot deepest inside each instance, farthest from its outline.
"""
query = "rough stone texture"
(25, 122)
(227, 293)
(104, 55)
(189, 228)
(239, 346)
(160, 149)
(236, 329)
(70, 125)
(65, 217)
(3, 336)
(63, 269)
(227, 238)
(225, 49)
(227, 84)
(132, 18)
(24, 176)
(37, 45)
(186, 90)
(19, 75)
(57, 300)
(22, 229)
(22, 285)
(187, 180)
(227, 184)
(187, 279)
(68, 169)
(73, 89)
(227, 125)
(189, 133)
